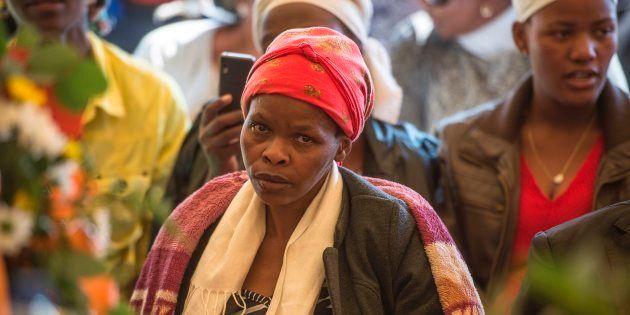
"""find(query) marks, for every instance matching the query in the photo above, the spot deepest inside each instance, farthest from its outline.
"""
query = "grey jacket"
(377, 264)
(606, 233)
(479, 158)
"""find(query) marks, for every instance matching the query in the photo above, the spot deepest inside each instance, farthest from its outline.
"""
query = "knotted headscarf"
(318, 66)
(356, 15)
(526, 8)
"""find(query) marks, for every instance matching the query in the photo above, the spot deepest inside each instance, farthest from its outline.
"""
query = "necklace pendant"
(558, 179)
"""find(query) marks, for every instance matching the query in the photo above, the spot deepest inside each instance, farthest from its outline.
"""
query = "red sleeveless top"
(538, 213)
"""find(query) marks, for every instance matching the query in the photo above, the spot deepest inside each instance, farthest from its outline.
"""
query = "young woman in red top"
(553, 151)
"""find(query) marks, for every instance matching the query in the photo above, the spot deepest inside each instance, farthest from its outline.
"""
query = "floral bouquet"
(51, 219)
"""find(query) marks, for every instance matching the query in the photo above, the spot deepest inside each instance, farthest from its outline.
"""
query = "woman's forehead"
(576, 12)
(297, 114)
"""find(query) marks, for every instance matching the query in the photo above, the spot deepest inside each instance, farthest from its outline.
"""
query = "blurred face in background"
(51, 16)
(452, 18)
(300, 15)
(570, 44)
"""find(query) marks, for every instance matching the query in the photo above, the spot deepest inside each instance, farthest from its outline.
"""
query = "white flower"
(16, 226)
(8, 119)
(34, 128)
(97, 230)
(102, 233)
(62, 174)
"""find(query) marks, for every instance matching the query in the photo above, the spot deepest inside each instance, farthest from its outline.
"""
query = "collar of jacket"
(613, 106)
(622, 227)
(111, 100)
(617, 245)
(504, 123)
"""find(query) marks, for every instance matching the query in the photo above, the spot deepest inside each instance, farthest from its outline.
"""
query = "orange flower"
(60, 207)
(80, 240)
(78, 182)
(19, 54)
(101, 291)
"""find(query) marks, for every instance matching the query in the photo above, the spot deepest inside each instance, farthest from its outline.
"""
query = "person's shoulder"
(127, 67)
(218, 192)
(594, 224)
(374, 201)
(459, 123)
(405, 134)
(129, 73)
(363, 191)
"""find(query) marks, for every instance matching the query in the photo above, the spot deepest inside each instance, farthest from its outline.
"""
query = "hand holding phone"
(234, 69)
(219, 136)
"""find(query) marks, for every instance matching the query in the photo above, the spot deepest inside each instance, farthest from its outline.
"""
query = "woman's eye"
(560, 34)
(603, 32)
(258, 128)
(304, 139)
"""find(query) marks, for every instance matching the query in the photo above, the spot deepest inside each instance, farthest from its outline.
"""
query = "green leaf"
(27, 37)
(52, 60)
(80, 84)
(4, 39)
(122, 309)
(72, 265)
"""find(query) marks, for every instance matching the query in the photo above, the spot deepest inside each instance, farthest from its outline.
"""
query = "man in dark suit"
(557, 253)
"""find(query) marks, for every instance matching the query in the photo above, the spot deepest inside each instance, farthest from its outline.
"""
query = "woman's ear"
(345, 145)
(520, 37)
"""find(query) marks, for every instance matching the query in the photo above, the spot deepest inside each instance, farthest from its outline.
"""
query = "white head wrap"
(356, 15)
(526, 8)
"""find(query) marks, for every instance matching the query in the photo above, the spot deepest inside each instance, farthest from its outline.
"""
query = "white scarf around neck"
(234, 243)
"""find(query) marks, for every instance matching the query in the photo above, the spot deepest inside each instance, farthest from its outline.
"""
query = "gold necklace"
(559, 178)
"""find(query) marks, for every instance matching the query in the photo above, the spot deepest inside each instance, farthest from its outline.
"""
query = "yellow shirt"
(132, 134)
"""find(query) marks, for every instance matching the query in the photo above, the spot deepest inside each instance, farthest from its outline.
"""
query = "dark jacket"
(377, 264)
(479, 157)
(606, 231)
(398, 153)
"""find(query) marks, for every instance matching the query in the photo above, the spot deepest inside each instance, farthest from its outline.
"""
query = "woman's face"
(299, 15)
(455, 17)
(288, 148)
(50, 16)
(570, 44)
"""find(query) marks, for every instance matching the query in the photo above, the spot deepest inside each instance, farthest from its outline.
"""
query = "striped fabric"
(249, 302)
(160, 279)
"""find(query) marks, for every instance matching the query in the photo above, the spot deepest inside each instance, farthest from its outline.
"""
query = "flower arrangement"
(51, 218)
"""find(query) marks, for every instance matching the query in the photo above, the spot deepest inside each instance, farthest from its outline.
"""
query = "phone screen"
(234, 69)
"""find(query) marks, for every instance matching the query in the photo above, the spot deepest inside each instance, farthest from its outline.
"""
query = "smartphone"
(234, 70)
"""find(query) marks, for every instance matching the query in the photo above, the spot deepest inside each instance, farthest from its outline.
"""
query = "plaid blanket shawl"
(159, 282)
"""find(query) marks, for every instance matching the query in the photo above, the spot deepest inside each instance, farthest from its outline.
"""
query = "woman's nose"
(277, 152)
(583, 48)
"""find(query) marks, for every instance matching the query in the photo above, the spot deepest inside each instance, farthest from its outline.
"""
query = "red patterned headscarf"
(318, 66)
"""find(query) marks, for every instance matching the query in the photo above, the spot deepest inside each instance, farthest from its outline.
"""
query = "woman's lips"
(45, 5)
(582, 79)
(271, 182)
